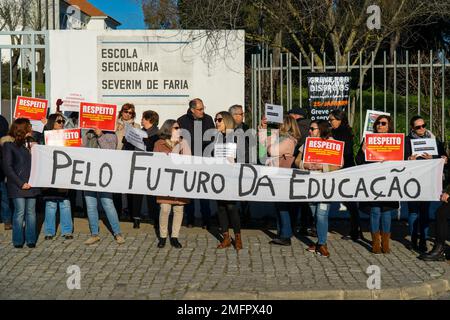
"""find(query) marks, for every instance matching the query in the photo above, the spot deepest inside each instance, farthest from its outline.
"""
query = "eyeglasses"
(312, 128)
(381, 123)
(60, 121)
(176, 128)
(420, 127)
(219, 120)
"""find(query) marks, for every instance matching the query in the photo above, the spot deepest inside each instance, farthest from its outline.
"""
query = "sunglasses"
(420, 127)
(312, 128)
(176, 128)
(382, 123)
(60, 121)
(127, 111)
(219, 120)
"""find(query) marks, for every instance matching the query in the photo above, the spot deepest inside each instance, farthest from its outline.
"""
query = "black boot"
(161, 242)
(174, 242)
(136, 223)
(436, 254)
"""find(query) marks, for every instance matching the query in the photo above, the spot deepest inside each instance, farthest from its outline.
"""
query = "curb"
(421, 291)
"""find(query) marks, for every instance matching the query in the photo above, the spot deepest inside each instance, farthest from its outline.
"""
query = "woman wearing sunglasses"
(280, 147)
(318, 129)
(227, 211)
(170, 141)
(380, 212)
(418, 212)
(55, 198)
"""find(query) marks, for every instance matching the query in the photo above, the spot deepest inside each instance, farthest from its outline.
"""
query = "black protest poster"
(327, 91)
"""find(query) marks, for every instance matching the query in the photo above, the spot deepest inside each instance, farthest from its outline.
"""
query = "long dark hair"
(52, 119)
(324, 128)
(19, 129)
(166, 129)
(341, 116)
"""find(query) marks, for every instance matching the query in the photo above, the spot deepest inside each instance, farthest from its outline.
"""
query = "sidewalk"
(139, 270)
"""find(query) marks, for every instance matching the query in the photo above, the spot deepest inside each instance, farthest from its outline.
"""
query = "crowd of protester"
(283, 147)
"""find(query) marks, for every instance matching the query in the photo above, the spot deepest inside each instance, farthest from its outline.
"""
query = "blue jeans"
(380, 221)
(65, 217)
(419, 219)
(320, 213)
(284, 225)
(6, 212)
(24, 208)
(92, 211)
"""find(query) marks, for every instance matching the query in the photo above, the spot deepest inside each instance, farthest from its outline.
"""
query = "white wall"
(73, 69)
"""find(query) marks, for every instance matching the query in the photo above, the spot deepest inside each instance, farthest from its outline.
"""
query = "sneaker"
(31, 245)
(92, 240)
(68, 237)
(18, 246)
(311, 248)
(119, 239)
(322, 250)
(48, 238)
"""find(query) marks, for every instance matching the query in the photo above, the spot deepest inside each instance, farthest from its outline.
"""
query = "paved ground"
(138, 270)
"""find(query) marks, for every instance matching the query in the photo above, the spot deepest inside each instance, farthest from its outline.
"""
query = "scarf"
(427, 135)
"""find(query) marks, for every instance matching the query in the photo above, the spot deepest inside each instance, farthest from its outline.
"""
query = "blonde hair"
(227, 120)
(290, 127)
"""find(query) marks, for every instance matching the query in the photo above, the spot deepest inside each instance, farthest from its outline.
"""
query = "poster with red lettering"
(30, 108)
(318, 150)
(385, 146)
(63, 138)
(98, 115)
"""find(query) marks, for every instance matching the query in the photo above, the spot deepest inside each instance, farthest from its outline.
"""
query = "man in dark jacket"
(197, 122)
(6, 213)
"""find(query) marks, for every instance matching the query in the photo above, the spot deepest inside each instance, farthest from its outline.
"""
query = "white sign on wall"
(144, 70)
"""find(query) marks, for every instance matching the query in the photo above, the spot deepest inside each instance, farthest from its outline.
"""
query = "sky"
(127, 12)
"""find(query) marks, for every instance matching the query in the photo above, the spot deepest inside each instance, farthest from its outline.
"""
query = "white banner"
(212, 178)
(422, 146)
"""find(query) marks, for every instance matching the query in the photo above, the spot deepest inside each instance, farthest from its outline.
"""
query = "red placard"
(98, 115)
(385, 146)
(31, 108)
(63, 138)
(318, 150)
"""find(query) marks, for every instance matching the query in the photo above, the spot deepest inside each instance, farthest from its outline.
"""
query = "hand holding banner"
(98, 115)
(135, 136)
(63, 138)
(318, 150)
(274, 113)
(421, 146)
(30, 108)
(385, 146)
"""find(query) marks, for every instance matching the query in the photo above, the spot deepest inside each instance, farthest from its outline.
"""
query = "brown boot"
(226, 242)
(376, 242)
(238, 241)
(385, 242)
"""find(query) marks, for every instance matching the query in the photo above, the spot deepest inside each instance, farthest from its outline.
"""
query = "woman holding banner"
(418, 212)
(280, 147)
(57, 197)
(149, 122)
(381, 211)
(225, 147)
(342, 131)
(17, 167)
(170, 141)
(103, 140)
(320, 211)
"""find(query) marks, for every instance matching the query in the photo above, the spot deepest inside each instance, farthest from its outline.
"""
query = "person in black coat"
(17, 167)
(418, 211)
(342, 131)
(196, 117)
(6, 213)
(149, 122)
(379, 211)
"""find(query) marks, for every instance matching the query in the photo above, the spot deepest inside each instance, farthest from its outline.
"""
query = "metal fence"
(30, 42)
(266, 88)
